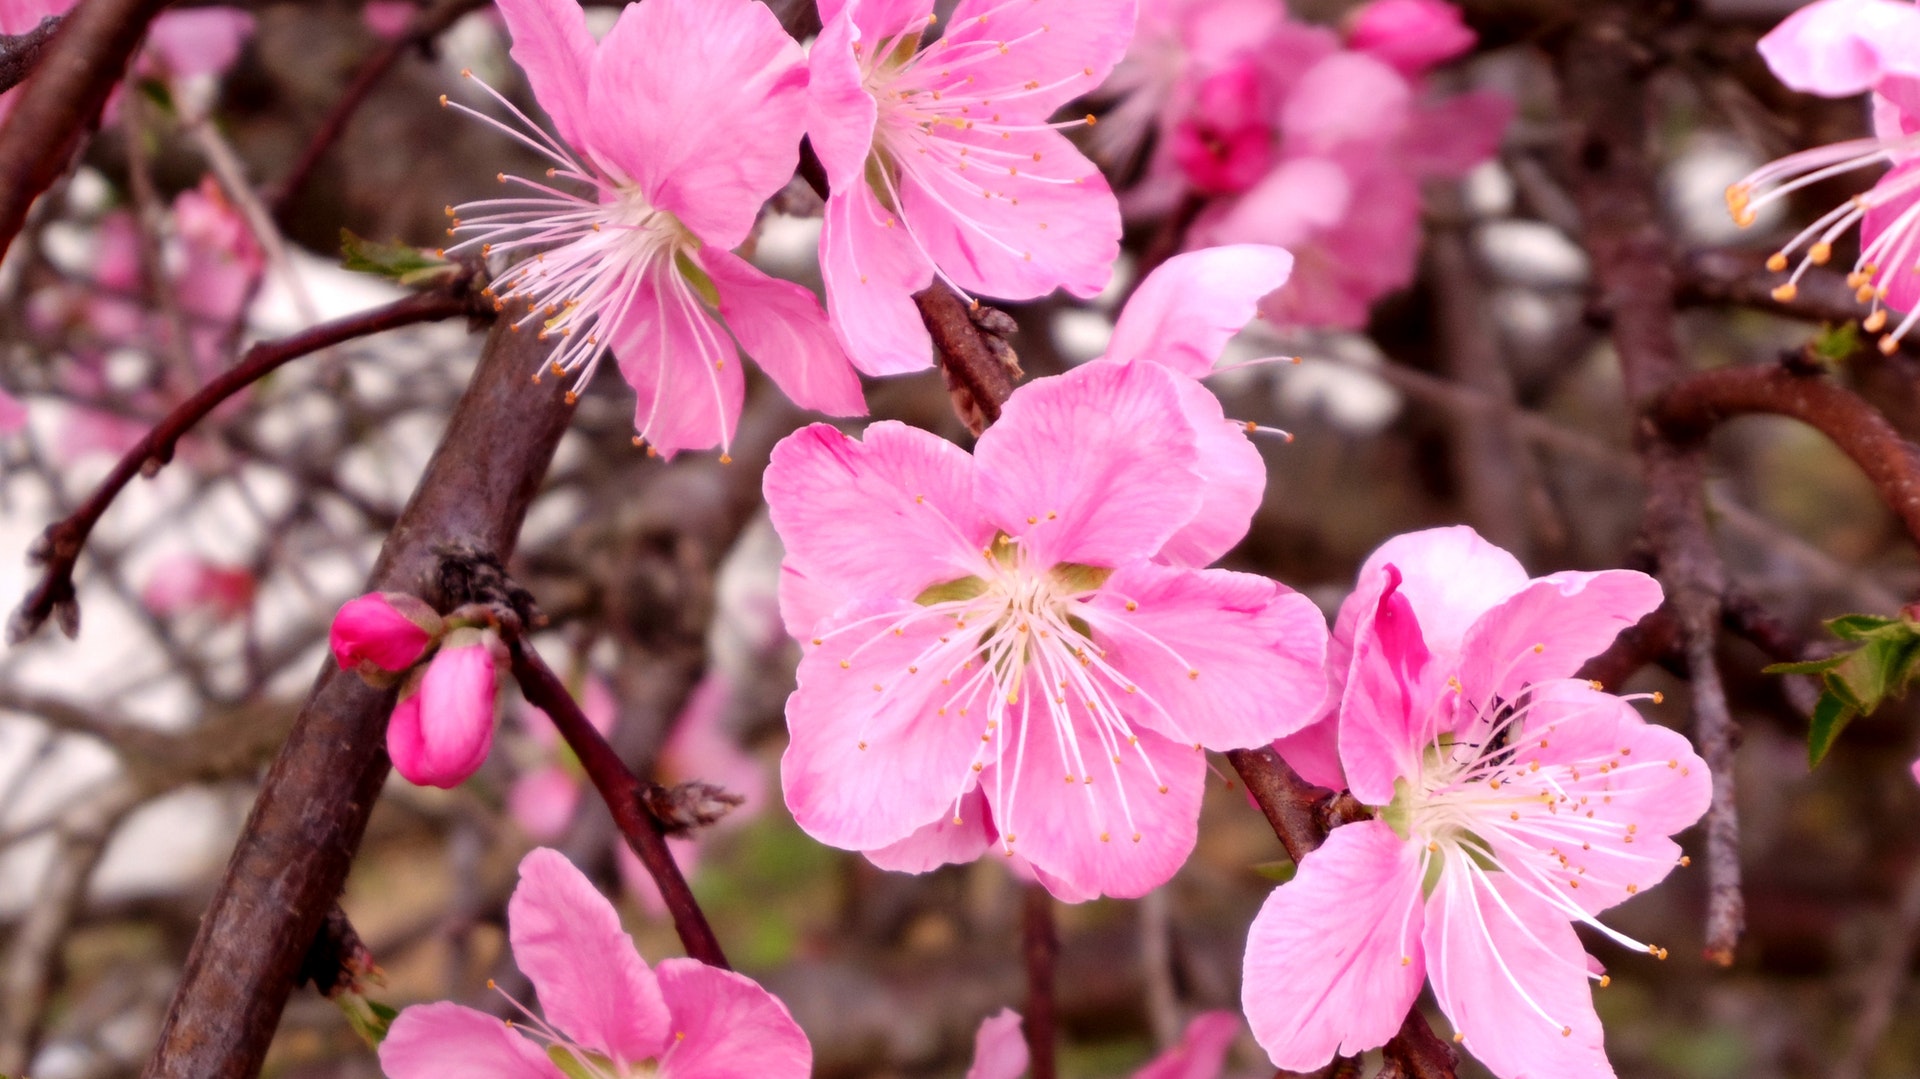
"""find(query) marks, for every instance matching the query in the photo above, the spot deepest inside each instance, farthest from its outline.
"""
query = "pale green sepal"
(951, 591)
(1074, 578)
(1399, 813)
(697, 277)
(569, 1062)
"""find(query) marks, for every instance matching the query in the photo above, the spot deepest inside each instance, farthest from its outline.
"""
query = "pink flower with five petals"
(608, 1016)
(942, 160)
(1016, 648)
(1512, 801)
(678, 126)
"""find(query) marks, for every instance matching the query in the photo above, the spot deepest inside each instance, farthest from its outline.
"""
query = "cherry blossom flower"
(1411, 35)
(183, 583)
(1512, 800)
(442, 728)
(608, 1016)
(942, 161)
(1029, 614)
(678, 127)
(13, 414)
(1839, 48)
(382, 633)
(1000, 1049)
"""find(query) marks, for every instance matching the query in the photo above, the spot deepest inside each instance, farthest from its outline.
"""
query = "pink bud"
(382, 633)
(440, 735)
(183, 583)
(1225, 144)
(1409, 35)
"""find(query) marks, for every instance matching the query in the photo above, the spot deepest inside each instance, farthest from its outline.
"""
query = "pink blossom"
(679, 126)
(607, 1014)
(194, 42)
(1226, 142)
(13, 414)
(1000, 1049)
(1001, 621)
(1512, 801)
(1839, 48)
(543, 799)
(184, 583)
(942, 161)
(1411, 35)
(440, 734)
(382, 632)
(388, 18)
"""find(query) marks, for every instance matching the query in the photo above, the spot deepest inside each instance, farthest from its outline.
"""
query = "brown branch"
(626, 795)
(1603, 72)
(1691, 408)
(55, 108)
(1741, 278)
(428, 23)
(292, 856)
(1040, 947)
(20, 53)
(58, 548)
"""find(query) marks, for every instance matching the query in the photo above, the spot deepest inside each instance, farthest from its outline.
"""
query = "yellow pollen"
(863, 745)
(1193, 674)
(1777, 261)
(1459, 1037)
(1889, 345)
(572, 398)
(1539, 648)
(1104, 837)
(1658, 696)
(1596, 684)
(1605, 980)
(1633, 889)
(1862, 293)
(1132, 606)
(1163, 788)
(1819, 253)
(1685, 861)
(818, 640)
(1785, 293)
(845, 663)
(1136, 837)
(443, 101)
(1091, 120)
(1406, 960)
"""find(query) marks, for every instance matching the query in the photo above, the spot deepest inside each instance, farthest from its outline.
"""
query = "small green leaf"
(399, 262)
(1830, 717)
(1835, 343)
(1278, 872)
(368, 1018)
(1859, 627)
(1810, 666)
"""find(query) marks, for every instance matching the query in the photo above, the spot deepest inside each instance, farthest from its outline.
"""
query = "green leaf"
(1859, 627)
(368, 1018)
(1278, 872)
(1830, 717)
(403, 263)
(1811, 666)
(1835, 343)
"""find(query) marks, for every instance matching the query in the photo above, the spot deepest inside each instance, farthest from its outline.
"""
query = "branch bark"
(1040, 946)
(293, 854)
(21, 53)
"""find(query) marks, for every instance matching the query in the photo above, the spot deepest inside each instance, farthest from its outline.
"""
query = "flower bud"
(382, 633)
(1409, 35)
(440, 735)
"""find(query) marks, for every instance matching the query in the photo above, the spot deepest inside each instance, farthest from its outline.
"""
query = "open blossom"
(1512, 800)
(1411, 35)
(1000, 1049)
(443, 726)
(1839, 48)
(941, 159)
(677, 128)
(608, 1016)
(1015, 648)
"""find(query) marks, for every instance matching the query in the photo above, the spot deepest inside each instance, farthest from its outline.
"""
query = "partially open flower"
(382, 633)
(440, 735)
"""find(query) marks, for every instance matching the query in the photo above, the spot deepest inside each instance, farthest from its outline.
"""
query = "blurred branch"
(1604, 72)
(1040, 947)
(1885, 981)
(20, 53)
(77, 70)
(58, 548)
(630, 799)
(293, 853)
(1741, 278)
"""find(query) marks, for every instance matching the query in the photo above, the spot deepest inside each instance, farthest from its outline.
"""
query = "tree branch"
(20, 53)
(1040, 947)
(293, 854)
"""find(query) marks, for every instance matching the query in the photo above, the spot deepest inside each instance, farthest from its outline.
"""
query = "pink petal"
(13, 414)
(201, 41)
(1915, 769)
(1202, 1051)
(1448, 138)
(1096, 466)
(781, 326)
(1450, 575)
(1839, 48)
(593, 985)
(1234, 481)
(434, 1041)
(552, 45)
(456, 711)
(1389, 711)
(1068, 46)
(1297, 201)
(542, 802)
(1550, 629)
(911, 491)
(1411, 35)
(871, 272)
(1000, 1048)
(840, 111)
(1902, 182)
(1334, 957)
(1256, 645)
(868, 768)
(404, 744)
(1314, 750)
(389, 631)
(726, 1027)
(661, 78)
(1056, 817)
(1187, 309)
(942, 842)
(1319, 115)
(1512, 976)
(879, 19)
(1050, 222)
(684, 369)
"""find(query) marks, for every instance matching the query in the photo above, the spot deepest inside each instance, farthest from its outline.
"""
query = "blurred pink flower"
(1000, 1048)
(1002, 620)
(192, 42)
(443, 726)
(607, 1014)
(543, 799)
(382, 632)
(13, 414)
(1838, 48)
(1513, 801)
(942, 161)
(680, 125)
(1411, 35)
(183, 583)
(388, 18)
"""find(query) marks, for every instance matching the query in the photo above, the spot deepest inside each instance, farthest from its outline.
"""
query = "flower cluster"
(448, 670)
(1280, 132)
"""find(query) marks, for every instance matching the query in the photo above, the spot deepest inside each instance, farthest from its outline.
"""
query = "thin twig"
(20, 53)
(624, 793)
(1040, 947)
(59, 547)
